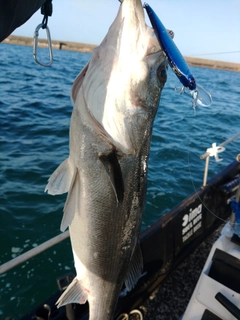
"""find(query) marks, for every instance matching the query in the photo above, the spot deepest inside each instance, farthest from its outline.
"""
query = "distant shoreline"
(58, 45)
(83, 47)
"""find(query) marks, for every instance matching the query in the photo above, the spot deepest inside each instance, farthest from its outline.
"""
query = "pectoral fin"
(77, 83)
(135, 268)
(114, 172)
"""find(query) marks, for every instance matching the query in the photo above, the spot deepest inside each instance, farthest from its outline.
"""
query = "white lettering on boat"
(191, 222)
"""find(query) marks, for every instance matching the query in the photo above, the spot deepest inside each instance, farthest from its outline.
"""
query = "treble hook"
(200, 96)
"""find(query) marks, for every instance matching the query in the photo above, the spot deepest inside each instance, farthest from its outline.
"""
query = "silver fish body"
(115, 101)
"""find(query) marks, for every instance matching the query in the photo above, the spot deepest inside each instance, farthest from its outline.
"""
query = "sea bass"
(115, 101)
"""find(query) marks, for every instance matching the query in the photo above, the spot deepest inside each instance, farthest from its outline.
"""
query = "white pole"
(206, 171)
(33, 252)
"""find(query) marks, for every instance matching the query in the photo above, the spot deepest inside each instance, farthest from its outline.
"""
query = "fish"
(116, 97)
(177, 62)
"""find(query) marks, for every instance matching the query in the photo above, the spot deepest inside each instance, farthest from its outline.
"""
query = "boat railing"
(33, 252)
(213, 152)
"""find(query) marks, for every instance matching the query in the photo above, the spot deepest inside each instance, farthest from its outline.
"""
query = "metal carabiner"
(35, 45)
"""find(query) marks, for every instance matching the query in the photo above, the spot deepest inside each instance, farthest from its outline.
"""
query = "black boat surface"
(165, 245)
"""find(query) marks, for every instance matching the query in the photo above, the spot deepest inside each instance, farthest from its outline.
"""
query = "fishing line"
(212, 53)
(190, 171)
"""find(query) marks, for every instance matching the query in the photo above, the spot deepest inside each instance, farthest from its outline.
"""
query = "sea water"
(35, 110)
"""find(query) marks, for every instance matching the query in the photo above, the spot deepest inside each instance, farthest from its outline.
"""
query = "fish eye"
(162, 73)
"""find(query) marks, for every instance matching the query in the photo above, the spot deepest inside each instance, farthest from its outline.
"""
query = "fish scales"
(115, 97)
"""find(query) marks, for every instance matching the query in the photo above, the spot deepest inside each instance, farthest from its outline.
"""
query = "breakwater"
(84, 47)
(58, 45)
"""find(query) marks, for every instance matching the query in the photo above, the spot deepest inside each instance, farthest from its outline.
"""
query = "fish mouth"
(134, 34)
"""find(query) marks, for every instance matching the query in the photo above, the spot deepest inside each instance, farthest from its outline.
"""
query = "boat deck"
(170, 301)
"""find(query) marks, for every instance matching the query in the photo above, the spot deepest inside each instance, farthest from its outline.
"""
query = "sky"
(208, 29)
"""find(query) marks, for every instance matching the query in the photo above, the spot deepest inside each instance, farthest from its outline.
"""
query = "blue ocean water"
(35, 110)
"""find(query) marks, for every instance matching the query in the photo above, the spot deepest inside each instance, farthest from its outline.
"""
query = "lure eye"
(162, 73)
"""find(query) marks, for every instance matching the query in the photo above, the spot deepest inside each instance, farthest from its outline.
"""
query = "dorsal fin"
(135, 268)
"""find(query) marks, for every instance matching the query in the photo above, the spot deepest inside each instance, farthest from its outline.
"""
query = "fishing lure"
(178, 63)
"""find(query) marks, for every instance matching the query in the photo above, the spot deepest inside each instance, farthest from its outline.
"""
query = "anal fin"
(135, 268)
(73, 294)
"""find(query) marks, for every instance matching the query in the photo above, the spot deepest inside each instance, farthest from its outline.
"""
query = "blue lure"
(177, 62)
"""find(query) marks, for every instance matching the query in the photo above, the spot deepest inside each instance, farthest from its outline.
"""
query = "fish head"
(124, 78)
